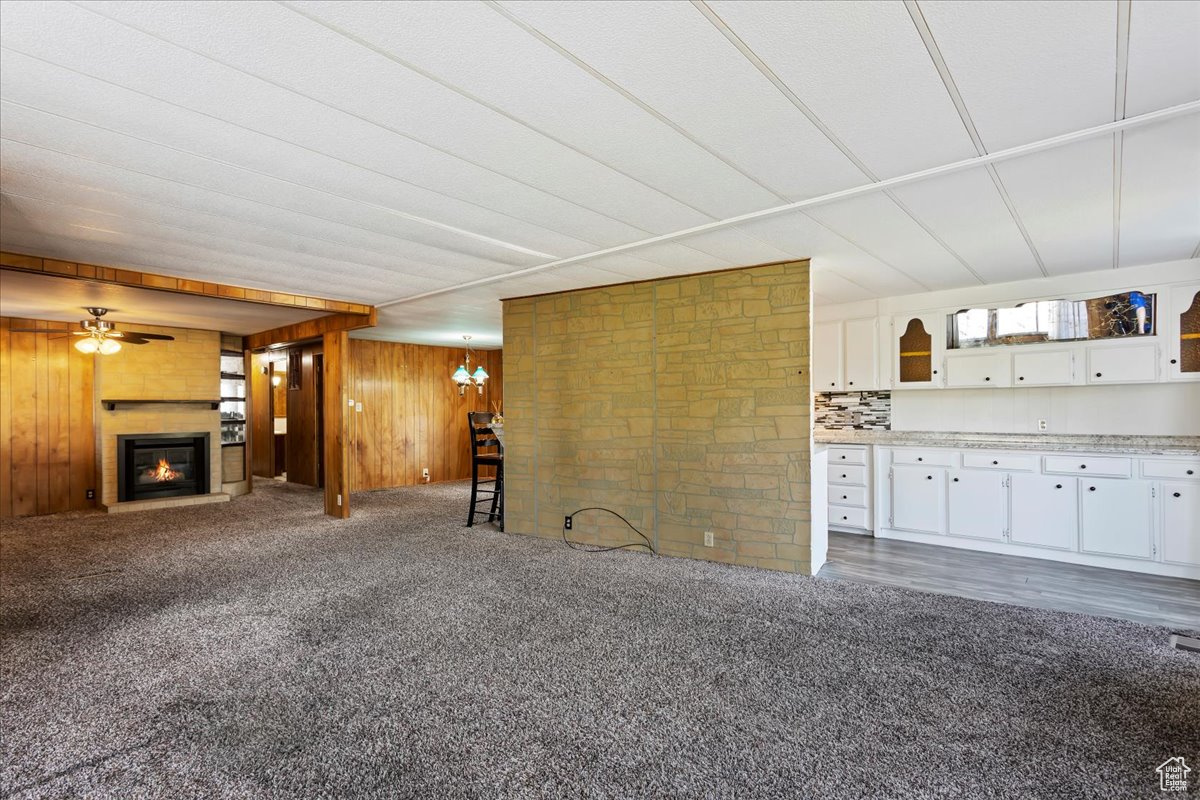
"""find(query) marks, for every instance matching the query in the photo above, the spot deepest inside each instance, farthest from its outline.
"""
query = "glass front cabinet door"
(1183, 346)
(920, 343)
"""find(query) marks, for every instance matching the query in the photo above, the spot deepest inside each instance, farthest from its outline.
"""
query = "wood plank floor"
(1152, 599)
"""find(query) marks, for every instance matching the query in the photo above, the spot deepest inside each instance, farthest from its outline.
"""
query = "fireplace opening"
(159, 465)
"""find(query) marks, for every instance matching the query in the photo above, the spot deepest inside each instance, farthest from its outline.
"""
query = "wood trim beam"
(336, 434)
(164, 283)
(310, 329)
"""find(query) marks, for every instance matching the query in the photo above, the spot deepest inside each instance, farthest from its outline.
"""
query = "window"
(1116, 315)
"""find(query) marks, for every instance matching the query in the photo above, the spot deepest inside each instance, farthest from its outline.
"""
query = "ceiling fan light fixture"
(88, 345)
(109, 346)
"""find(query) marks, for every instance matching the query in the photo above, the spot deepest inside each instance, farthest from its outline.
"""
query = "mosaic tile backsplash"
(860, 411)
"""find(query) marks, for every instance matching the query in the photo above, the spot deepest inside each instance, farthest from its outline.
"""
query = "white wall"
(1153, 409)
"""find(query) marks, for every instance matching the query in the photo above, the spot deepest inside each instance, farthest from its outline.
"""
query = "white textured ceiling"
(431, 158)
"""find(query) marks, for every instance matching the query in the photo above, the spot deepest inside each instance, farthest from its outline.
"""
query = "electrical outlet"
(339, 499)
(425, 473)
(358, 407)
(91, 494)
(708, 538)
(567, 522)
(1042, 425)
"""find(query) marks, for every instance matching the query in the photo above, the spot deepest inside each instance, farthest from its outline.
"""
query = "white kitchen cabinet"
(1122, 362)
(1045, 511)
(1182, 331)
(845, 356)
(977, 504)
(1181, 523)
(918, 498)
(1116, 517)
(827, 357)
(860, 346)
(919, 342)
(978, 369)
(1043, 367)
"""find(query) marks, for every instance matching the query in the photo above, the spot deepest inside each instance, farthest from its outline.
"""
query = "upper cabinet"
(920, 343)
(1183, 334)
(845, 356)
(860, 343)
(976, 368)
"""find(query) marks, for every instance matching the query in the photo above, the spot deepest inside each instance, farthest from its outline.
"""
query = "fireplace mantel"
(111, 405)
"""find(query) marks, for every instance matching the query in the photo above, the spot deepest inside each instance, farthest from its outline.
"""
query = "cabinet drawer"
(1005, 461)
(848, 473)
(848, 517)
(1089, 465)
(848, 496)
(847, 455)
(936, 458)
(1172, 470)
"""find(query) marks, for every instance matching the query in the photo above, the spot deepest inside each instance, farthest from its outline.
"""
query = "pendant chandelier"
(463, 375)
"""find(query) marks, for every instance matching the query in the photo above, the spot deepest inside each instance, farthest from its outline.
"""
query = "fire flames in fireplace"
(163, 472)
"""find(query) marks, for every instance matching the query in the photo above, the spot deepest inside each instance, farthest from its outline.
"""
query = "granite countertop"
(1091, 443)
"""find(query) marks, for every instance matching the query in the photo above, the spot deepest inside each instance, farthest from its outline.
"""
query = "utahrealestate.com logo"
(1173, 775)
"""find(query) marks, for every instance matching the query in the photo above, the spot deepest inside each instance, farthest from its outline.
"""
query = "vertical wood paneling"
(413, 417)
(47, 433)
(302, 435)
(262, 426)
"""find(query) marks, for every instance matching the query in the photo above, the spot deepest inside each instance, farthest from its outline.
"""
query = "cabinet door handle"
(920, 459)
(851, 383)
(1091, 488)
(1177, 494)
(1190, 471)
(844, 517)
(843, 458)
(844, 497)
(1098, 374)
(1174, 361)
(1021, 378)
(1058, 486)
(995, 462)
(843, 476)
(956, 480)
(987, 379)
(935, 372)
(1083, 466)
(928, 477)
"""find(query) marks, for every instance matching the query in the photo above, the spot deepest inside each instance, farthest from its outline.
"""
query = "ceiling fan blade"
(134, 340)
(142, 335)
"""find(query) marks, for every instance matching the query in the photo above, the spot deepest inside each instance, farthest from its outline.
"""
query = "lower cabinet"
(1045, 511)
(977, 504)
(918, 498)
(1116, 517)
(1181, 523)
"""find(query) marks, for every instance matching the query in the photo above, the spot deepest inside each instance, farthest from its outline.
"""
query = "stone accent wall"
(682, 404)
(188, 368)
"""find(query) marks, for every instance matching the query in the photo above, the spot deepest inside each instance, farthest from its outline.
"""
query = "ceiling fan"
(99, 335)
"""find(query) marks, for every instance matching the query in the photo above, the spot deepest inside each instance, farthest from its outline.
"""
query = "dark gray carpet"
(259, 649)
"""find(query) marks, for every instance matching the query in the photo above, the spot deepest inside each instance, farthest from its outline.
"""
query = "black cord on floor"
(587, 548)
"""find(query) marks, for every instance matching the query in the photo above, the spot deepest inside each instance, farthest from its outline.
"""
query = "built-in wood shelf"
(111, 405)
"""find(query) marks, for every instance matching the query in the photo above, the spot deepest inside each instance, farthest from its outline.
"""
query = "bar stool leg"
(474, 492)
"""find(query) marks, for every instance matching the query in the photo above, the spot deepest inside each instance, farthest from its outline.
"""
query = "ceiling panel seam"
(316, 272)
(403, 263)
(1119, 94)
(943, 70)
(628, 95)
(231, 165)
(767, 72)
(381, 126)
(1084, 134)
(414, 217)
(489, 106)
(150, 201)
(209, 190)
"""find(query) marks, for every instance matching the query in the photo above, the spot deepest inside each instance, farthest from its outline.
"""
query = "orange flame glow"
(163, 471)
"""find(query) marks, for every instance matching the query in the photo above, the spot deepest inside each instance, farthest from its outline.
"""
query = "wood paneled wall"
(47, 421)
(412, 416)
(336, 432)
(262, 433)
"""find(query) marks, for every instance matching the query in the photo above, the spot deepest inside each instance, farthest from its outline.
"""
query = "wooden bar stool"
(487, 490)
